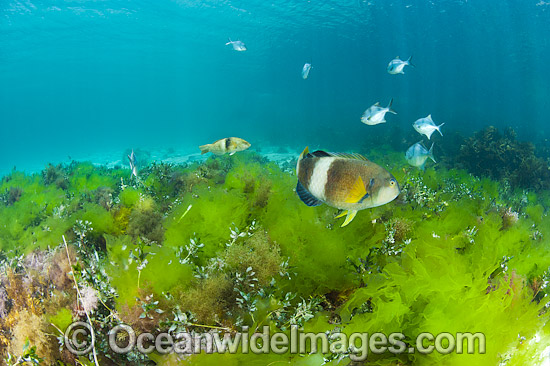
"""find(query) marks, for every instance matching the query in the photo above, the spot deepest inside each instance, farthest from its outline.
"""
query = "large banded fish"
(348, 182)
(228, 145)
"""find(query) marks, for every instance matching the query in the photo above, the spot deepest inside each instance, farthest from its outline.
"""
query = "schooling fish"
(237, 45)
(426, 126)
(397, 65)
(305, 70)
(348, 182)
(417, 155)
(375, 114)
(228, 145)
(132, 159)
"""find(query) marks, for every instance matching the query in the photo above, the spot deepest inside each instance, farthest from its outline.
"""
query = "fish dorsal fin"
(354, 156)
(306, 196)
(320, 154)
(430, 117)
(377, 104)
(357, 192)
(304, 153)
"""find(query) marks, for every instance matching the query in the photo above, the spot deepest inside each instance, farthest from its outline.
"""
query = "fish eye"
(392, 182)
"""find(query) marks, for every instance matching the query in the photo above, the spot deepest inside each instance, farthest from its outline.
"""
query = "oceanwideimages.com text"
(79, 340)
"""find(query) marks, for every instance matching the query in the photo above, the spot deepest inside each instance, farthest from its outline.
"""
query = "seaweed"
(12, 195)
(490, 153)
(55, 174)
(146, 222)
(226, 243)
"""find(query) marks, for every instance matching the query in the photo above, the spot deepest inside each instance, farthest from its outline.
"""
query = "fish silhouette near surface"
(397, 65)
(348, 182)
(305, 70)
(237, 45)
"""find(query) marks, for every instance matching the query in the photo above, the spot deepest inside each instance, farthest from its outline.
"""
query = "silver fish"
(132, 159)
(426, 126)
(417, 155)
(305, 70)
(397, 65)
(237, 45)
(375, 114)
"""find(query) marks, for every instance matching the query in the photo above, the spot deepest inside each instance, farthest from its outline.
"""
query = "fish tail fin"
(389, 107)
(431, 153)
(204, 148)
(438, 128)
(409, 61)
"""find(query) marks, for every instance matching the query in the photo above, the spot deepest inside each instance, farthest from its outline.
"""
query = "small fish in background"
(426, 126)
(417, 155)
(397, 65)
(305, 70)
(229, 145)
(132, 159)
(348, 182)
(375, 114)
(237, 45)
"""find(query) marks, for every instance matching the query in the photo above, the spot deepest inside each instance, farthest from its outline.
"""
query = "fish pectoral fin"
(357, 192)
(306, 196)
(344, 213)
(232, 153)
(349, 217)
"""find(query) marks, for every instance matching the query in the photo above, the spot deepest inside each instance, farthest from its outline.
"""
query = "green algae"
(227, 243)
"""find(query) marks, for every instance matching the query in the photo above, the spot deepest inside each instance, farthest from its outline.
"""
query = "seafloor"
(216, 244)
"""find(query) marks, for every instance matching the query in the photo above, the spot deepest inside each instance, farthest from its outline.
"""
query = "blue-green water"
(81, 77)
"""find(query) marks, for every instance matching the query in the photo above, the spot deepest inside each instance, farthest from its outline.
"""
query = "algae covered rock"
(499, 155)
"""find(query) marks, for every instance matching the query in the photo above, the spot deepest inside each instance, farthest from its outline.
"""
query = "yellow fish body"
(228, 145)
(348, 182)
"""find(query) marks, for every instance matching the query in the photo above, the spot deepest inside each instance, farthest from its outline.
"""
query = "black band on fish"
(319, 154)
(307, 197)
(227, 142)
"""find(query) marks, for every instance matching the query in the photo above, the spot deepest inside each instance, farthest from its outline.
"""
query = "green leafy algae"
(227, 243)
